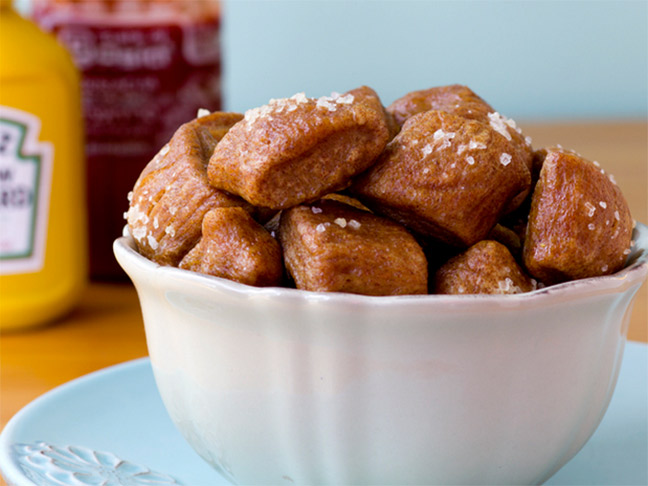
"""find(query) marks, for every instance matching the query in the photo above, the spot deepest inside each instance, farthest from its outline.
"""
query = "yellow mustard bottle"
(43, 249)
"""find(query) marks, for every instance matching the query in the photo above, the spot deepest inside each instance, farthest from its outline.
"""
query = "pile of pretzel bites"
(437, 193)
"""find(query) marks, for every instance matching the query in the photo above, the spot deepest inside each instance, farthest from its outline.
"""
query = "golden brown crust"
(332, 247)
(172, 193)
(485, 268)
(579, 225)
(234, 246)
(298, 149)
(446, 177)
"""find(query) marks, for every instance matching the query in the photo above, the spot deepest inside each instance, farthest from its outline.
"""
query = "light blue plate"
(110, 428)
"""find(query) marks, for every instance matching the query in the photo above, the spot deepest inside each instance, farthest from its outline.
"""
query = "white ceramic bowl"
(280, 386)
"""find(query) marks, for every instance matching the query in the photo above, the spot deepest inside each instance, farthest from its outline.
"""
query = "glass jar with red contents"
(147, 67)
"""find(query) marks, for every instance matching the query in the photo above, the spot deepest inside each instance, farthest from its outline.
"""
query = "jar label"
(25, 183)
(147, 67)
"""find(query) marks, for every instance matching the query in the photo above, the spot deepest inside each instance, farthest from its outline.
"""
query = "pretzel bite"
(579, 224)
(486, 267)
(446, 177)
(298, 149)
(172, 194)
(333, 247)
(234, 246)
(456, 99)
(464, 102)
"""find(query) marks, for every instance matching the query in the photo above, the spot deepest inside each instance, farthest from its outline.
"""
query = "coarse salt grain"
(612, 179)
(604, 268)
(498, 123)
(135, 215)
(603, 204)
(299, 97)
(472, 145)
(470, 159)
(427, 150)
(505, 159)
(170, 230)
(626, 251)
(443, 137)
(354, 224)
(252, 115)
(617, 216)
(511, 123)
(164, 150)
(156, 223)
(326, 102)
(139, 233)
(202, 112)
(507, 286)
(345, 100)
(129, 196)
(591, 209)
(316, 210)
(341, 222)
(152, 242)
(591, 226)
(320, 228)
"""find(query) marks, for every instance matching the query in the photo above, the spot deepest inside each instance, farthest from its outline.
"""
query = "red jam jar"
(147, 66)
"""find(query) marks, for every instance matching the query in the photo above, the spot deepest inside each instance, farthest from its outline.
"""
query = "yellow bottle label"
(25, 185)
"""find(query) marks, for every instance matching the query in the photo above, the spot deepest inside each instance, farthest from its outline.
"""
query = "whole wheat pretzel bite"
(447, 177)
(330, 246)
(579, 224)
(461, 101)
(172, 194)
(455, 98)
(487, 267)
(297, 149)
(234, 246)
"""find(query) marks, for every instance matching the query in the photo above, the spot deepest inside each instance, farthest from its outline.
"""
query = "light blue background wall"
(529, 59)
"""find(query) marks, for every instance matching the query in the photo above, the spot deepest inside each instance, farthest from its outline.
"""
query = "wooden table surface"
(106, 328)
